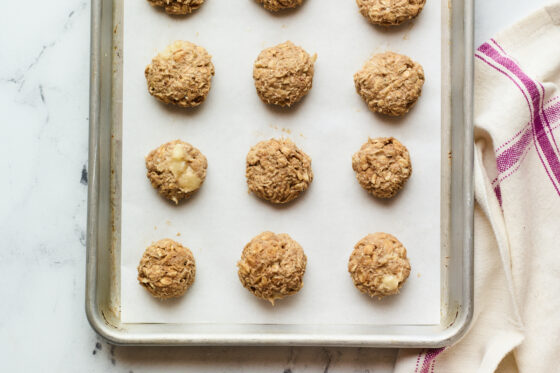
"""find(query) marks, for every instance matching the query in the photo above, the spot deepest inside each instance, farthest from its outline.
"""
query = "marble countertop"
(44, 72)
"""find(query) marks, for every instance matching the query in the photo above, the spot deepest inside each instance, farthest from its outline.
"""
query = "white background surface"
(330, 124)
(44, 60)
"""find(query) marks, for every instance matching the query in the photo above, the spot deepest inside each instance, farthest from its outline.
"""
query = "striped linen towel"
(516, 323)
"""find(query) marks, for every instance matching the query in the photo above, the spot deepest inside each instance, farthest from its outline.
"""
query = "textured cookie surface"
(181, 75)
(178, 7)
(276, 5)
(382, 166)
(272, 266)
(390, 12)
(379, 265)
(390, 83)
(176, 169)
(167, 269)
(278, 171)
(283, 74)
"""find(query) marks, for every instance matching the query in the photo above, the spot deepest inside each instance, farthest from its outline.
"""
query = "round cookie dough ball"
(390, 12)
(382, 166)
(278, 171)
(178, 7)
(283, 74)
(167, 269)
(378, 265)
(272, 266)
(276, 5)
(181, 75)
(176, 169)
(390, 83)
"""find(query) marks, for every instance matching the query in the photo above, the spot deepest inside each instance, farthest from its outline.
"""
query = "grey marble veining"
(44, 73)
(280, 360)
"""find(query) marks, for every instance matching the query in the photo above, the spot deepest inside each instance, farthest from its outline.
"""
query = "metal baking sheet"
(106, 153)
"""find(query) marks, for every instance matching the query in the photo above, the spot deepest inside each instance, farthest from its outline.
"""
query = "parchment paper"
(330, 125)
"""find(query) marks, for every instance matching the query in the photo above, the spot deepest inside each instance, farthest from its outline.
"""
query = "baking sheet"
(329, 125)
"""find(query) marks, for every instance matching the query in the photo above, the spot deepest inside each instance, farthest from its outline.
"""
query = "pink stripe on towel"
(513, 154)
(540, 126)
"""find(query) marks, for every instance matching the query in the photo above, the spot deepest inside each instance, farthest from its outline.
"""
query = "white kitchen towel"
(517, 216)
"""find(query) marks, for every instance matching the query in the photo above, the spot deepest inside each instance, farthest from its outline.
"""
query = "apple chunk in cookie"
(176, 169)
(379, 265)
